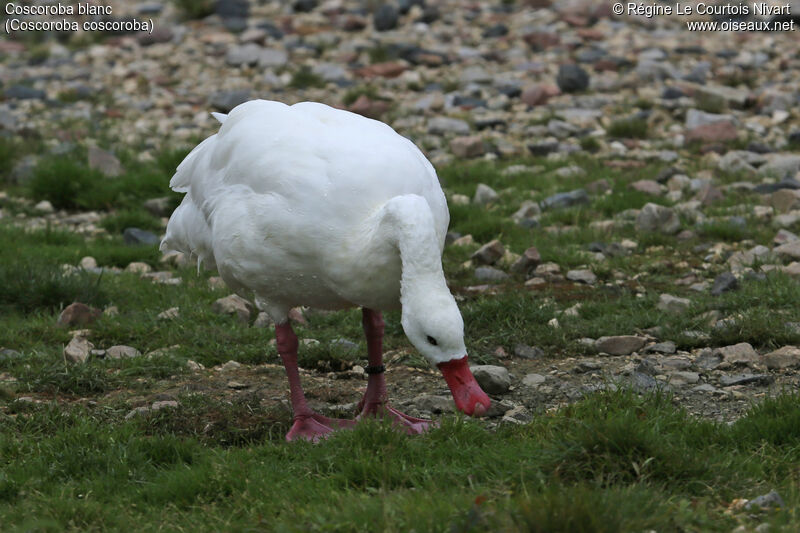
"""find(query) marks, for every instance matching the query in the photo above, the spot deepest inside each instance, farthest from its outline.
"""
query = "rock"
(785, 357)
(647, 187)
(88, 263)
(683, 378)
(716, 132)
(122, 351)
(367, 107)
(790, 250)
(782, 166)
(304, 6)
(517, 415)
(582, 276)
(572, 78)
(619, 345)
(159, 207)
(136, 236)
(78, 314)
(78, 349)
(498, 30)
(194, 366)
(657, 218)
(696, 118)
(723, 283)
(566, 199)
(23, 92)
(745, 379)
(527, 262)
(538, 95)
(783, 236)
(385, 17)
(523, 351)
(738, 354)
(433, 404)
(492, 379)
(224, 101)
(467, 147)
(771, 500)
(138, 267)
(169, 314)
(263, 320)
(236, 385)
(487, 273)
(666, 347)
(137, 411)
(642, 382)
(164, 404)
(234, 304)
(533, 380)
(44, 207)
(443, 125)
(489, 253)
(672, 304)
(708, 360)
(785, 200)
(105, 162)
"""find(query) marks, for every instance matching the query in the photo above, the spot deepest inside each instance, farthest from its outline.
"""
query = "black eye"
(432, 341)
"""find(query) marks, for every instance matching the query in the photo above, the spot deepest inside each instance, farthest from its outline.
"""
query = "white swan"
(310, 205)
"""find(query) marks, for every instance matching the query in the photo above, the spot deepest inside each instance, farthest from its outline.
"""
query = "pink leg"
(374, 401)
(307, 424)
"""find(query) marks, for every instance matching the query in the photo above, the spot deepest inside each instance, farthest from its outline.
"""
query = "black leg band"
(380, 369)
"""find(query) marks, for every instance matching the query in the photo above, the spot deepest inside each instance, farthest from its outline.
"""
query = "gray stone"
(234, 305)
(528, 261)
(657, 218)
(385, 17)
(433, 404)
(582, 276)
(484, 194)
(708, 360)
(104, 161)
(23, 92)
(696, 118)
(487, 273)
(78, 349)
(566, 199)
(245, 55)
(785, 357)
(527, 210)
(135, 236)
(620, 344)
(468, 146)
(723, 283)
(683, 378)
(160, 207)
(523, 351)
(444, 125)
(584, 367)
(121, 351)
(642, 382)
(263, 320)
(672, 304)
(492, 379)
(517, 415)
(771, 500)
(489, 253)
(330, 71)
(225, 101)
(164, 404)
(666, 347)
(572, 78)
(783, 166)
(344, 344)
(533, 380)
(738, 354)
(745, 379)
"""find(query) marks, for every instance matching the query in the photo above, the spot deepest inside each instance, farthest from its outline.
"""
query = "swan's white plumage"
(289, 203)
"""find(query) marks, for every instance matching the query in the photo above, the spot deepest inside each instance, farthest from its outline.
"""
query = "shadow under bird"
(314, 206)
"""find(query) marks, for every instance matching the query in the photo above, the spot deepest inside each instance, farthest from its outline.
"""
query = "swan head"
(433, 324)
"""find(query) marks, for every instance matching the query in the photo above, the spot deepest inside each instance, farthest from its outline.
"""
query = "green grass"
(304, 78)
(629, 128)
(68, 183)
(611, 462)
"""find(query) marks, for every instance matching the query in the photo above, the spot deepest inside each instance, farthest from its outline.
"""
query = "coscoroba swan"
(314, 206)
